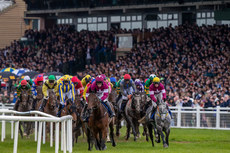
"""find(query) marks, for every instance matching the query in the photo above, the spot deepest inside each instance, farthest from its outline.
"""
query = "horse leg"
(167, 132)
(112, 134)
(118, 125)
(89, 140)
(98, 143)
(127, 131)
(150, 128)
(146, 132)
(103, 138)
(157, 135)
(163, 138)
(20, 129)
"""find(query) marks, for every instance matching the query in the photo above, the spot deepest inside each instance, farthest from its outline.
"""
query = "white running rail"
(43, 118)
(201, 118)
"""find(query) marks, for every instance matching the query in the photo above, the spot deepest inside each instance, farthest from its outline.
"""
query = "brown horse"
(98, 124)
(39, 97)
(70, 109)
(25, 105)
(77, 127)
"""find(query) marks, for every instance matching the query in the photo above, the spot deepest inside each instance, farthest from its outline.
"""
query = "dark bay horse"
(25, 105)
(98, 123)
(39, 97)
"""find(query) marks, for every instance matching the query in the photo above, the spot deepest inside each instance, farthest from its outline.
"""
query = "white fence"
(201, 118)
(43, 118)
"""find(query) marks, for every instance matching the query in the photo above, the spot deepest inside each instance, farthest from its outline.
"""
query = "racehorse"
(162, 122)
(39, 97)
(24, 106)
(70, 109)
(133, 114)
(51, 106)
(98, 123)
(78, 125)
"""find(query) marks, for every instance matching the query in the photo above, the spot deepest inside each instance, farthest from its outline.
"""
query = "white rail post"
(51, 134)
(36, 130)
(62, 131)
(3, 129)
(12, 128)
(16, 137)
(70, 136)
(44, 132)
(179, 117)
(218, 117)
(39, 137)
(198, 117)
(64, 137)
(67, 135)
(56, 137)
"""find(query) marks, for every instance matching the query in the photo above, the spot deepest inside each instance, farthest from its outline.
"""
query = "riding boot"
(123, 105)
(84, 115)
(34, 104)
(60, 107)
(108, 107)
(153, 113)
(170, 113)
(41, 108)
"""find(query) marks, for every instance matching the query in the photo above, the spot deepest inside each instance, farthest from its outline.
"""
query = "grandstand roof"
(4, 4)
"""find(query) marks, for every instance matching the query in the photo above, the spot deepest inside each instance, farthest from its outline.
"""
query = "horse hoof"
(114, 144)
(165, 146)
(104, 148)
(135, 139)
(89, 149)
(118, 134)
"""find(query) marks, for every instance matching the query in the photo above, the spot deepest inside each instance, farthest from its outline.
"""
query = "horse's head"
(24, 97)
(39, 92)
(93, 102)
(137, 102)
(162, 110)
(52, 98)
(71, 109)
(113, 96)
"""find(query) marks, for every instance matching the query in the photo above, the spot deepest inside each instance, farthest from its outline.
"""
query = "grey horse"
(161, 124)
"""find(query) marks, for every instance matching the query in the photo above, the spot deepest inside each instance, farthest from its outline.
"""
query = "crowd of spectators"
(193, 62)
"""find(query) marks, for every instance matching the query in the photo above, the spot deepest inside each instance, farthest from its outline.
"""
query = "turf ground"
(181, 141)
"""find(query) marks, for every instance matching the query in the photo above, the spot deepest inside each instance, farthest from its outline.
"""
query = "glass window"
(134, 18)
(104, 19)
(213, 14)
(139, 17)
(101, 26)
(66, 21)
(203, 14)
(79, 20)
(94, 19)
(99, 19)
(115, 18)
(175, 16)
(84, 20)
(169, 16)
(198, 15)
(160, 16)
(89, 20)
(208, 14)
(63, 21)
(70, 21)
(164, 16)
(128, 18)
(59, 21)
(123, 18)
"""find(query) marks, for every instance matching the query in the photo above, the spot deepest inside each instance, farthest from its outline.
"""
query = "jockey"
(28, 79)
(118, 90)
(49, 84)
(127, 86)
(65, 88)
(86, 80)
(102, 92)
(113, 81)
(37, 82)
(155, 89)
(78, 86)
(86, 88)
(107, 81)
(139, 85)
(22, 86)
(148, 83)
